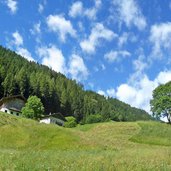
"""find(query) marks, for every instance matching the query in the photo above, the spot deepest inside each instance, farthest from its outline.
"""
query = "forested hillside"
(59, 94)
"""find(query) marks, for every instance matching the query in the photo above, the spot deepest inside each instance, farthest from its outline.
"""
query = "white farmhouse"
(12, 104)
(55, 118)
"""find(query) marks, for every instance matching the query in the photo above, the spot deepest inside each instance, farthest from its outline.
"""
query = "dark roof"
(4, 99)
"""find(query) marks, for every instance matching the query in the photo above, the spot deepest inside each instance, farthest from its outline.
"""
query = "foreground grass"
(28, 145)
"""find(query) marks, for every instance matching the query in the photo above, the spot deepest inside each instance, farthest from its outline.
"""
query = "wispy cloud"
(77, 9)
(160, 37)
(130, 13)
(113, 56)
(12, 5)
(99, 32)
(61, 26)
(18, 39)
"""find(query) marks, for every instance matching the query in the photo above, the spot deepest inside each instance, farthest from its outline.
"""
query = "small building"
(12, 104)
(55, 118)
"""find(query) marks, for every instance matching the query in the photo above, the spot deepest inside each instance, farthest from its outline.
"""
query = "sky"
(118, 48)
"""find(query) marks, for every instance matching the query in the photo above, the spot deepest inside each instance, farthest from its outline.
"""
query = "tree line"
(58, 93)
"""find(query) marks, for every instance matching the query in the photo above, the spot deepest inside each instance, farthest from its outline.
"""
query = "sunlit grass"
(28, 145)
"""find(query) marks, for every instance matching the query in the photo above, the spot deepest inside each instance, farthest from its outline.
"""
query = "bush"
(33, 108)
(71, 122)
(94, 118)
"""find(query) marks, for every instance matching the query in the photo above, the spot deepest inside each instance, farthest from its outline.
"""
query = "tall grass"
(30, 146)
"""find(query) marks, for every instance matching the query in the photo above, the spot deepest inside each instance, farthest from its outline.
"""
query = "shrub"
(71, 122)
(94, 118)
(33, 108)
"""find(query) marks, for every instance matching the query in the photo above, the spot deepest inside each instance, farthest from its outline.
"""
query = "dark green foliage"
(71, 122)
(57, 93)
(161, 102)
(33, 108)
(94, 118)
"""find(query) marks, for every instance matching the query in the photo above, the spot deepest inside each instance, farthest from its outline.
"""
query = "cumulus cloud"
(18, 40)
(61, 26)
(24, 53)
(77, 68)
(77, 9)
(160, 37)
(140, 93)
(53, 58)
(12, 5)
(99, 32)
(130, 13)
(116, 55)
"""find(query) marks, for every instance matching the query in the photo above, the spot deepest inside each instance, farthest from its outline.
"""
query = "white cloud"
(123, 39)
(130, 13)
(163, 77)
(36, 29)
(101, 92)
(41, 6)
(139, 93)
(77, 9)
(103, 67)
(77, 68)
(116, 55)
(36, 32)
(17, 45)
(160, 37)
(24, 53)
(18, 40)
(12, 5)
(61, 26)
(97, 33)
(111, 92)
(108, 93)
(139, 65)
(53, 58)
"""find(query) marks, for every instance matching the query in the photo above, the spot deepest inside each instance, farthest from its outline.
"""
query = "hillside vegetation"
(27, 145)
(58, 93)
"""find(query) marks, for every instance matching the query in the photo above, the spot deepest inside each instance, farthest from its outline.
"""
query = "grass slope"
(28, 145)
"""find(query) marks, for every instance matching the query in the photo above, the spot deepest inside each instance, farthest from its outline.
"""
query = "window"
(17, 114)
(5, 111)
(11, 112)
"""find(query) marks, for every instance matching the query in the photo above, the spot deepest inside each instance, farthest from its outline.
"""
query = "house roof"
(4, 99)
(14, 109)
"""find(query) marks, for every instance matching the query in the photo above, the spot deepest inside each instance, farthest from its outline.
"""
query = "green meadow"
(29, 146)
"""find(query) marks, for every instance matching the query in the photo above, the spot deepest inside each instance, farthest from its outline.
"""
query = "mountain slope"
(59, 94)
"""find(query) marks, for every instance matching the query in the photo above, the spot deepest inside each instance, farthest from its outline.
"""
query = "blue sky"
(118, 48)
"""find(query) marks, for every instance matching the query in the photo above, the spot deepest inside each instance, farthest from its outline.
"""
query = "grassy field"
(29, 146)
